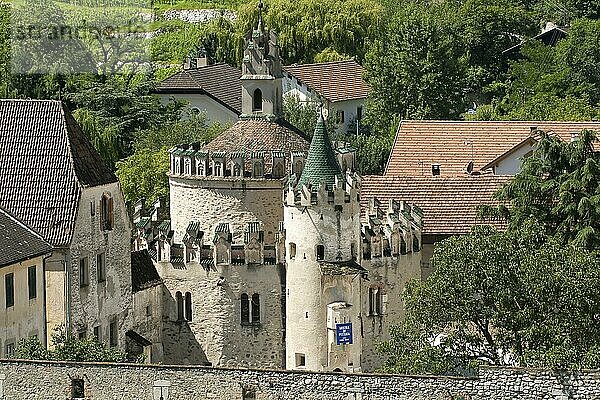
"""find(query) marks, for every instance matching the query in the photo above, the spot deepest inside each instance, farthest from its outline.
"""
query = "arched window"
(188, 306)
(298, 168)
(187, 166)
(218, 168)
(256, 308)
(292, 250)
(245, 309)
(179, 300)
(257, 101)
(416, 245)
(237, 170)
(320, 252)
(278, 170)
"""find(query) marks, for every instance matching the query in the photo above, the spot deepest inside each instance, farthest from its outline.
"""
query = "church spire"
(321, 164)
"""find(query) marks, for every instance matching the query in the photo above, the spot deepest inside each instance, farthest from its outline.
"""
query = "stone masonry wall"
(52, 380)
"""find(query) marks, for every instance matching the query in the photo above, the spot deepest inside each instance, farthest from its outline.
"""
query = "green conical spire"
(321, 163)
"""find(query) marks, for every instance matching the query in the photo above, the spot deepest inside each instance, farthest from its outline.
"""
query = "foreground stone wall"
(53, 380)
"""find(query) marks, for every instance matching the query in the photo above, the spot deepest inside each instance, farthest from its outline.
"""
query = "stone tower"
(261, 73)
(323, 234)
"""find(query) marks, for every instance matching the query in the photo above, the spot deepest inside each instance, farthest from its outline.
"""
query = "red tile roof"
(335, 81)
(452, 144)
(219, 81)
(448, 203)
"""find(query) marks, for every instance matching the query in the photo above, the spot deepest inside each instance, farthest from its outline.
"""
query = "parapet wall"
(54, 380)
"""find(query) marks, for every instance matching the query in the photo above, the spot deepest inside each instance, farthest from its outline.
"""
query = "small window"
(82, 334)
(248, 394)
(257, 170)
(92, 208)
(218, 169)
(435, 169)
(353, 251)
(113, 337)
(340, 117)
(179, 300)
(320, 252)
(10, 350)
(101, 267)
(375, 301)
(416, 244)
(188, 306)
(148, 311)
(187, 165)
(97, 333)
(106, 212)
(84, 272)
(256, 308)
(300, 360)
(257, 100)
(32, 281)
(298, 166)
(9, 289)
(278, 170)
(77, 389)
(245, 309)
(292, 251)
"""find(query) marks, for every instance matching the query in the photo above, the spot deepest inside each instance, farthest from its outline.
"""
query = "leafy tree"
(559, 187)
(144, 173)
(515, 298)
(67, 348)
(415, 68)
(303, 114)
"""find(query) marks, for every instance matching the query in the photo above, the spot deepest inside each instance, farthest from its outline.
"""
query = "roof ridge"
(323, 63)
(22, 224)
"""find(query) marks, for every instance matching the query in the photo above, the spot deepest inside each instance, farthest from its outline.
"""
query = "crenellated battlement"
(210, 249)
(391, 230)
(342, 192)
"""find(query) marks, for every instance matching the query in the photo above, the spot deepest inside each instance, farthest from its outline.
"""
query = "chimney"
(533, 130)
(574, 136)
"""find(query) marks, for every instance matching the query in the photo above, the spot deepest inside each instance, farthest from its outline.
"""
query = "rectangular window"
(375, 301)
(81, 334)
(340, 117)
(77, 389)
(92, 208)
(10, 350)
(112, 334)
(9, 289)
(32, 281)
(84, 272)
(97, 333)
(300, 360)
(101, 267)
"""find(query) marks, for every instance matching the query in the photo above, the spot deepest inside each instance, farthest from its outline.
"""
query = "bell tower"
(261, 73)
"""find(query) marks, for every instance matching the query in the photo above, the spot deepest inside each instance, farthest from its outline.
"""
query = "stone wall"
(238, 202)
(103, 302)
(53, 380)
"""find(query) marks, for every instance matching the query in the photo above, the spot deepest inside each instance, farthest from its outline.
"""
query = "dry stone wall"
(53, 380)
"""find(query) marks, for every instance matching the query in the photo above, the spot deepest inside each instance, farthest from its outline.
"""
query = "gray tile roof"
(219, 81)
(18, 242)
(45, 162)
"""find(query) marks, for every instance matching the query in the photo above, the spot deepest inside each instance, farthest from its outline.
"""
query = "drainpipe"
(44, 300)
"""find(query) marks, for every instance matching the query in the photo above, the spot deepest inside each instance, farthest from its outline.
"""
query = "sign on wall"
(343, 333)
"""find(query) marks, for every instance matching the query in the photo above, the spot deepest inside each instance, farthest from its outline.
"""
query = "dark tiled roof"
(143, 271)
(259, 135)
(219, 81)
(335, 81)
(449, 203)
(453, 144)
(18, 242)
(341, 268)
(321, 164)
(45, 161)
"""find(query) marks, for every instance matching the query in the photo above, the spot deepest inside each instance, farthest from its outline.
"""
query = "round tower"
(322, 228)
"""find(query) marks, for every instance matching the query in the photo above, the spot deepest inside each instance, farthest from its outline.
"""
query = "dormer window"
(257, 102)
(435, 169)
(218, 168)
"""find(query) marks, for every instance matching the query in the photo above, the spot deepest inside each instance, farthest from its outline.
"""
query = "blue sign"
(343, 333)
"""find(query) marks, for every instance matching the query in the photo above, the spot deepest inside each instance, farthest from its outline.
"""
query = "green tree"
(515, 298)
(67, 348)
(144, 173)
(303, 114)
(559, 187)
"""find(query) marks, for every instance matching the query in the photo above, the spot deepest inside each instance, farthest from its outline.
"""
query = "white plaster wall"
(26, 317)
(511, 165)
(215, 111)
(210, 201)
(101, 302)
(306, 326)
(271, 95)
